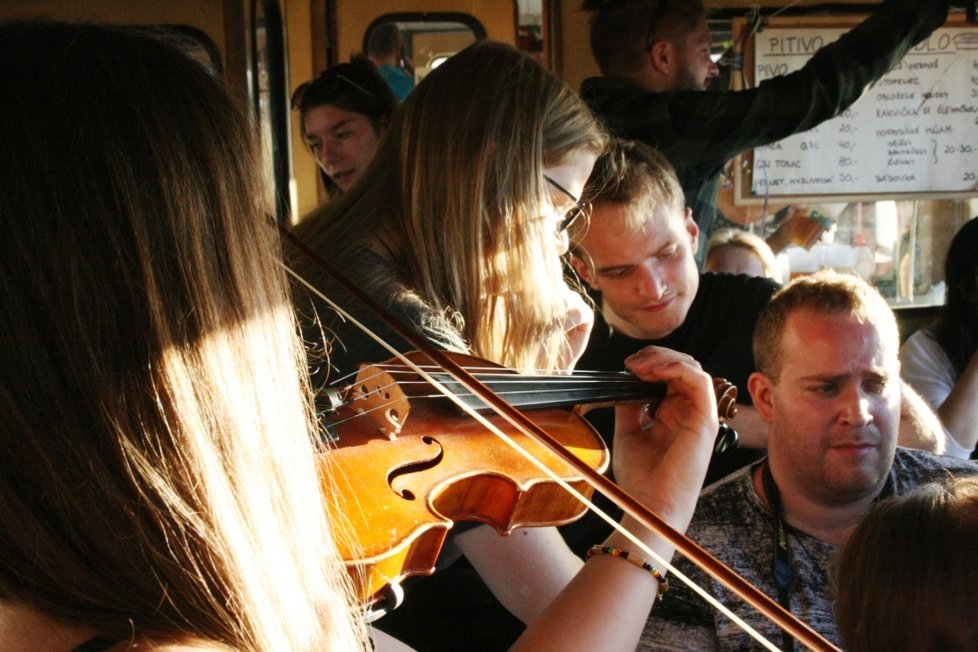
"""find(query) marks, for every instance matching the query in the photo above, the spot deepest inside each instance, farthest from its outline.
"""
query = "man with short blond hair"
(828, 386)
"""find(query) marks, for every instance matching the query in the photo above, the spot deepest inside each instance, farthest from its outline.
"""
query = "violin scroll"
(726, 393)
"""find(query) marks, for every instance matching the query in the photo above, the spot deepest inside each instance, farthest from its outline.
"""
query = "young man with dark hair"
(655, 62)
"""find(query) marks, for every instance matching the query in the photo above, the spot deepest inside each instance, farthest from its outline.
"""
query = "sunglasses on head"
(328, 85)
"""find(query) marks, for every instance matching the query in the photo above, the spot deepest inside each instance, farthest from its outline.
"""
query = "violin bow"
(684, 545)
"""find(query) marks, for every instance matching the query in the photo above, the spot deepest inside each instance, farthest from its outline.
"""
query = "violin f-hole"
(415, 467)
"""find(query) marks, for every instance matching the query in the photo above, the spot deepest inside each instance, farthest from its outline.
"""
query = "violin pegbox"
(376, 395)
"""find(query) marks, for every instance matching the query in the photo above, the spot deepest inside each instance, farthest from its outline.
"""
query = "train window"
(529, 37)
(423, 40)
(898, 245)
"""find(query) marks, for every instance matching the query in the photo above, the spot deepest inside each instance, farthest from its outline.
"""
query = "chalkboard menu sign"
(913, 133)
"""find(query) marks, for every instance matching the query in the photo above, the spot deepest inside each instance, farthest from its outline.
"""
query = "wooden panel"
(305, 26)
(206, 15)
(572, 57)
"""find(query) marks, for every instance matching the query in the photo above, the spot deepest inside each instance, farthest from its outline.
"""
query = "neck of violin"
(557, 391)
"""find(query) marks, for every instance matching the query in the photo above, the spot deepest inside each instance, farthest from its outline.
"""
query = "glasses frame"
(581, 207)
(657, 15)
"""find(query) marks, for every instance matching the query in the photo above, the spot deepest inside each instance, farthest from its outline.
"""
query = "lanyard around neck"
(784, 574)
(781, 566)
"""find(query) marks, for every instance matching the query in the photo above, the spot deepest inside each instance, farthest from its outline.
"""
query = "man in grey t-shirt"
(828, 387)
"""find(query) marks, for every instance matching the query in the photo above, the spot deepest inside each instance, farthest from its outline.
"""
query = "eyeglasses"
(657, 15)
(327, 87)
(581, 207)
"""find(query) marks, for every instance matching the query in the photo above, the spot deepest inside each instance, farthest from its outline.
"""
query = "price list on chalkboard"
(914, 131)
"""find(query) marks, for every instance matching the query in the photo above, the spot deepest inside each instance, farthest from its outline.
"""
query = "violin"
(413, 463)
(383, 564)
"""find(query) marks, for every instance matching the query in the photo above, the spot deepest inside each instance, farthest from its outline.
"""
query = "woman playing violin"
(157, 474)
(158, 481)
(458, 227)
(459, 223)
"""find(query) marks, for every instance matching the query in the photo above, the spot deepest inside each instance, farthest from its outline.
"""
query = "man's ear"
(692, 228)
(583, 270)
(762, 393)
(662, 57)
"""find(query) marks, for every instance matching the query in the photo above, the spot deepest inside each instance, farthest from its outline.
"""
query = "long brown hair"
(453, 196)
(907, 579)
(157, 475)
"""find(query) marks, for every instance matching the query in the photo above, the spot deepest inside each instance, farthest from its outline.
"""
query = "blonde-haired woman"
(459, 215)
(158, 479)
(458, 227)
(736, 251)
(158, 483)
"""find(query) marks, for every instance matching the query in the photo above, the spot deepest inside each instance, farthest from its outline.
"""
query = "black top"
(717, 332)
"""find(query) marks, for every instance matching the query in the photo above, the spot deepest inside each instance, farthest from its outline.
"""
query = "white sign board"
(914, 131)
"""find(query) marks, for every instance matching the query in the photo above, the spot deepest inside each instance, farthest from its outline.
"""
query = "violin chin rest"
(389, 599)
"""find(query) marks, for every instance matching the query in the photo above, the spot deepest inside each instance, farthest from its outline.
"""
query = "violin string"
(568, 386)
(492, 372)
(574, 396)
(504, 378)
(555, 382)
(359, 414)
(546, 470)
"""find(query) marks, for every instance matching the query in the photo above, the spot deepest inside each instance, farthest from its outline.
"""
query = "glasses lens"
(569, 218)
(574, 214)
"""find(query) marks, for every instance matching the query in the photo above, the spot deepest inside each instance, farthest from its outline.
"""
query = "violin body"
(406, 465)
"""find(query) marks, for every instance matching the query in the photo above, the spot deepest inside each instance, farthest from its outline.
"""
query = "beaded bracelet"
(634, 559)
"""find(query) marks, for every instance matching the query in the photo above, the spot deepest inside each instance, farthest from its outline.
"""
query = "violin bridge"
(377, 396)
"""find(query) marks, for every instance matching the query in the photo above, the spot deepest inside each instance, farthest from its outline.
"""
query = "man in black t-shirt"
(637, 256)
